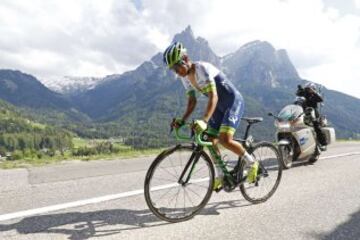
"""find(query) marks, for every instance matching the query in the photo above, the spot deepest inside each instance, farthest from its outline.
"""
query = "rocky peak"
(198, 49)
(258, 62)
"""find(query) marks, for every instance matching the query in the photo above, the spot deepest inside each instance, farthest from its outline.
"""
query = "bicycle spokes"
(269, 173)
(179, 184)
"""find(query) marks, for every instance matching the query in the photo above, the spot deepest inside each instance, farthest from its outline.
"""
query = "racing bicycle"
(179, 182)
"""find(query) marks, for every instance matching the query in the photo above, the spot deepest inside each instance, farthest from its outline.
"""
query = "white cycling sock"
(248, 158)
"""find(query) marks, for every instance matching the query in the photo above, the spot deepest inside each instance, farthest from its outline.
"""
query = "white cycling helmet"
(174, 54)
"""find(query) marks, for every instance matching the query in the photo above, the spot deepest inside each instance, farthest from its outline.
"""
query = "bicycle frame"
(199, 145)
(192, 175)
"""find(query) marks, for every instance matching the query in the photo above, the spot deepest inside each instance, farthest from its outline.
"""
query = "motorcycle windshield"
(290, 112)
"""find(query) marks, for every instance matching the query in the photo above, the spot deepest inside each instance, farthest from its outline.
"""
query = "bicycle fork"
(194, 158)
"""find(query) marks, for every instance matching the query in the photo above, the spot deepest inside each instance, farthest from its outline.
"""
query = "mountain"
(70, 85)
(259, 63)
(36, 100)
(150, 95)
(146, 84)
(25, 90)
(197, 48)
(138, 105)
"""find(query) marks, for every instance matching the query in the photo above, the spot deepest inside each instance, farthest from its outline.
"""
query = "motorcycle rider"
(312, 99)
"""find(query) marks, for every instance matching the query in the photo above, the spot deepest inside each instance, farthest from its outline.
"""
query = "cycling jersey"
(230, 106)
(205, 78)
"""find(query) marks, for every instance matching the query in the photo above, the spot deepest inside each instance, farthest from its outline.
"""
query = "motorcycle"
(296, 137)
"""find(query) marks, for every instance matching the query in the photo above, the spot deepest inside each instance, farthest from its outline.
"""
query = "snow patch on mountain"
(71, 84)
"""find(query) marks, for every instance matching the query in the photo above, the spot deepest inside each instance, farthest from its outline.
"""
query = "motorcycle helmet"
(311, 86)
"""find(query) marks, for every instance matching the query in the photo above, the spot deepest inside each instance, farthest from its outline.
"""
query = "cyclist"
(224, 108)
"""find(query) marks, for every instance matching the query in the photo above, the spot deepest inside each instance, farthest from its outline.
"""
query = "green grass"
(80, 142)
(38, 125)
(126, 152)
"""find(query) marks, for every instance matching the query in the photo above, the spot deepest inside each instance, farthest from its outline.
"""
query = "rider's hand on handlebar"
(177, 122)
(200, 126)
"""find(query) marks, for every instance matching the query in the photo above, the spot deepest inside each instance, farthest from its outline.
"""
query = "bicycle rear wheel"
(269, 173)
(179, 183)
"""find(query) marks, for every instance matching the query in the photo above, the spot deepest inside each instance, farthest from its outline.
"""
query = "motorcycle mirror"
(270, 114)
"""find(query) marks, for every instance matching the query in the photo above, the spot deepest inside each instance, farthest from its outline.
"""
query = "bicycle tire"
(276, 165)
(165, 213)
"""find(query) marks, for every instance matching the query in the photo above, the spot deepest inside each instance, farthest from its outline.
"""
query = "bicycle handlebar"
(197, 137)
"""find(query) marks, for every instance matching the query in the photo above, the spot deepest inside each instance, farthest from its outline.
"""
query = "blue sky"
(95, 38)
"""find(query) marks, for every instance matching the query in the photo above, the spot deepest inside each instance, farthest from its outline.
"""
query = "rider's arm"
(210, 108)
(190, 106)
(316, 97)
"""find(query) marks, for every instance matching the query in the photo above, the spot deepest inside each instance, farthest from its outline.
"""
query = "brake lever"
(172, 126)
(171, 129)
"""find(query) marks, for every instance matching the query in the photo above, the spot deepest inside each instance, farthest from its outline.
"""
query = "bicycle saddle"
(252, 120)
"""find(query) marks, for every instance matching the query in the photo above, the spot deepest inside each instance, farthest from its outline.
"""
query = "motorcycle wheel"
(315, 156)
(286, 157)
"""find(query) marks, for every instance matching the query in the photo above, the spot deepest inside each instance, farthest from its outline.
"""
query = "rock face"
(197, 48)
(260, 63)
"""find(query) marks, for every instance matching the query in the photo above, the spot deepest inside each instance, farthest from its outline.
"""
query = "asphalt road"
(104, 200)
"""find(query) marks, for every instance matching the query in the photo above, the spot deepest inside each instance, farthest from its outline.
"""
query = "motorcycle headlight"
(282, 125)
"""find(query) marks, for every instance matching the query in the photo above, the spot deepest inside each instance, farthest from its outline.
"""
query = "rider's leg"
(218, 170)
(219, 174)
(319, 134)
(226, 139)
(213, 131)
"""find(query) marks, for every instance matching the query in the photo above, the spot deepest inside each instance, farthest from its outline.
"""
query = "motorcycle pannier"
(329, 133)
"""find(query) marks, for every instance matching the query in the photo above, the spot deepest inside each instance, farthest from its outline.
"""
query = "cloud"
(82, 37)
(90, 37)
(321, 42)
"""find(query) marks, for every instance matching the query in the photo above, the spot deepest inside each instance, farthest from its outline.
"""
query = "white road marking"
(57, 207)
(68, 205)
(341, 155)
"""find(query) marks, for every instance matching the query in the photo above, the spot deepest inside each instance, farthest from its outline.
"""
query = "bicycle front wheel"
(269, 173)
(179, 183)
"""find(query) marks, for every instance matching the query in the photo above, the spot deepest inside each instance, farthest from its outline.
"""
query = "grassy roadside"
(124, 153)
(27, 162)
